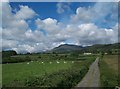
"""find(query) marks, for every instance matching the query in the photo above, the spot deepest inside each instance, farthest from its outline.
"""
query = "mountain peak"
(67, 48)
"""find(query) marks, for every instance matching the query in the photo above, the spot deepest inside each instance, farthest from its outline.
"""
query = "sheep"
(65, 62)
(28, 63)
(50, 62)
(58, 62)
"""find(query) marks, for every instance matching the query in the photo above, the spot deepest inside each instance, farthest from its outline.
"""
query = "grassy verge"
(108, 73)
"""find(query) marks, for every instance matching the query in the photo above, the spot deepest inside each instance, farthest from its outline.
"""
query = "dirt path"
(92, 78)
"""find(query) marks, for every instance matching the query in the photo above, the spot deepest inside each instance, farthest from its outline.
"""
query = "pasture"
(109, 71)
(58, 69)
(20, 71)
(112, 62)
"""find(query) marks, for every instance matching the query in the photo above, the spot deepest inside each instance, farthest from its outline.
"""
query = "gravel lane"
(92, 77)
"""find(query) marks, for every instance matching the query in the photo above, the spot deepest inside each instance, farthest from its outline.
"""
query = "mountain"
(66, 48)
(102, 47)
(108, 48)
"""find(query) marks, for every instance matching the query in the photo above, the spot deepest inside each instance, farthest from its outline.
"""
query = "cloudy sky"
(39, 26)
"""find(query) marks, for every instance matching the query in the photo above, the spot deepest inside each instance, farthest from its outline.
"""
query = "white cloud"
(62, 7)
(25, 13)
(51, 26)
(50, 33)
(98, 12)
(8, 44)
(85, 34)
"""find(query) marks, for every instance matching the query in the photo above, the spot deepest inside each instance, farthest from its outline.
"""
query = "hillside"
(66, 48)
(108, 48)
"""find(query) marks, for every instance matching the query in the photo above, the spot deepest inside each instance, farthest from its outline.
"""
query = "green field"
(112, 62)
(68, 72)
(109, 71)
(20, 71)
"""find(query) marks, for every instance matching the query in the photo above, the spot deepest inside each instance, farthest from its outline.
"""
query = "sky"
(40, 26)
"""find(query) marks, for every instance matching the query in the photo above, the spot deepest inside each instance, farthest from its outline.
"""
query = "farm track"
(92, 77)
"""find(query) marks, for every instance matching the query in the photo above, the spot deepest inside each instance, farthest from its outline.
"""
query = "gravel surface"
(92, 78)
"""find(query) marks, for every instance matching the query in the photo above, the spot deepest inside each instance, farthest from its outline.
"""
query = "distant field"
(19, 71)
(109, 71)
(112, 61)
(46, 57)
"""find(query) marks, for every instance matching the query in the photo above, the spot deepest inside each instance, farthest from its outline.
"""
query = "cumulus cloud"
(25, 13)
(17, 34)
(97, 13)
(62, 7)
(89, 34)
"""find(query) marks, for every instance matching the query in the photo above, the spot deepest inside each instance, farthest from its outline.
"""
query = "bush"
(8, 53)
(15, 59)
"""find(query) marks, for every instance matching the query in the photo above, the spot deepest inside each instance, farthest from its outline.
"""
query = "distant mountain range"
(94, 48)
(66, 48)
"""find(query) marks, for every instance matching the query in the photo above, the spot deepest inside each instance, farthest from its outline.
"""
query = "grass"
(20, 71)
(55, 56)
(112, 62)
(37, 73)
(65, 79)
(0, 75)
(109, 71)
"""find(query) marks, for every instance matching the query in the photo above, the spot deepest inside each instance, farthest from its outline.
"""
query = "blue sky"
(28, 26)
(49, 10)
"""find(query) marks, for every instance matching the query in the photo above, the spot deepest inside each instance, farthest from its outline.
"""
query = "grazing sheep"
(42, 62)
(50, 62)
(72, 61)
(58, 62)
(28, 63)
(65, 62)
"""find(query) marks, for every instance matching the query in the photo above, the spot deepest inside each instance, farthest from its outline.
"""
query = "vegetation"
(64, 78)
(42, 69)
(8, 53)
(65, 48)
(106, 48)
(37, 74)
(21, 71)
(66, 52)
(10, 57)
(109, 71)
(15, 59)
(44, 56)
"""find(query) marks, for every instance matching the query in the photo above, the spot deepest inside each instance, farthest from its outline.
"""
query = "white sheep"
(72, 61)
(65, 62)
(50, 62)
(28, 63)
(58, 62)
